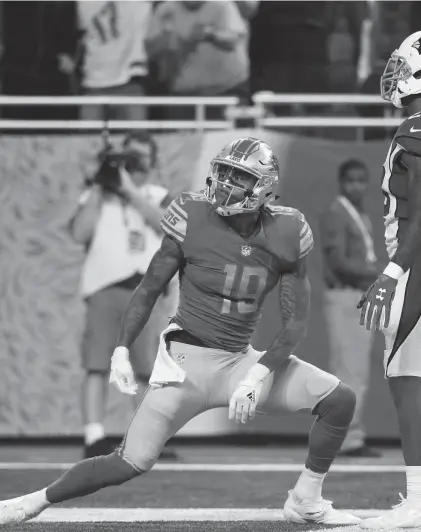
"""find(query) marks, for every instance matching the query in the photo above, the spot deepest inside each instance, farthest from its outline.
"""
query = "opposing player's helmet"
(242, 177)
(402, 75)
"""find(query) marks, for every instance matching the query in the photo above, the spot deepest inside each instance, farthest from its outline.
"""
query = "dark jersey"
(226, 277)
(395, 180)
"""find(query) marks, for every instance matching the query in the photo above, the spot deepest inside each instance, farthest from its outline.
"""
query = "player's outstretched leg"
(163, 411)
(82, 479)
(305, 503)
(406, 394)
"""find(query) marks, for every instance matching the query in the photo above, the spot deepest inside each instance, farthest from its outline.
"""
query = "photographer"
(118, 221)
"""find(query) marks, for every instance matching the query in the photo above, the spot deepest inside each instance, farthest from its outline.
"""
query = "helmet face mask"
(397, 69)
(242, 177)
(233, 187)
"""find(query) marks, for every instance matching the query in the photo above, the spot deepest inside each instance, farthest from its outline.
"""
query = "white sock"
(309, 485)
(40, 497)
(94, 432)
(413, 483)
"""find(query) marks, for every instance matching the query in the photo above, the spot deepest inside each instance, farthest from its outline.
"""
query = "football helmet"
(402, 75)
(242, 177)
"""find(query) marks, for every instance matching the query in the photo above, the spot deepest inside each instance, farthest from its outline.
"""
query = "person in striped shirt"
(230, 246)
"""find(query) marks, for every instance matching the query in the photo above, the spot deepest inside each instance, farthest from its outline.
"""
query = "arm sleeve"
(174, 221)
(306, 237)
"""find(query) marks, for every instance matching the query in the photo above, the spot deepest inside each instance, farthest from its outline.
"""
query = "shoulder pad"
(409, 134)
(174, 221)
(306, 236)
(176, 217)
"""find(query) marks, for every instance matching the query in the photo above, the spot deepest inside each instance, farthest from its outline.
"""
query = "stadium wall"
(41, 314)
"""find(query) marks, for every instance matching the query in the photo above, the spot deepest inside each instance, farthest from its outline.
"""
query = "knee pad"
(141, 461)
(338, 406)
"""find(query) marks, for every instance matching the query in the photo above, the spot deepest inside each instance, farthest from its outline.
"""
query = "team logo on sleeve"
(245, 250)
(174, 221)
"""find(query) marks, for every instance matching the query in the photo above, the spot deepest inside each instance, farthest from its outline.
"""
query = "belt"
(184, 337)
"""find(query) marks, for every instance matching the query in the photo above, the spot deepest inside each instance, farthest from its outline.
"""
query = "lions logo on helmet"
(402, 75)
(242, 177)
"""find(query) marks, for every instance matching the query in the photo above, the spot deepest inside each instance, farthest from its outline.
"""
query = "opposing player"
(230, 247)
(393, 302)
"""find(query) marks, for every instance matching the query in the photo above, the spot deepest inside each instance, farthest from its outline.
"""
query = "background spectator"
(114, 61)
(200, 49)
(118, 220)
(350, 266)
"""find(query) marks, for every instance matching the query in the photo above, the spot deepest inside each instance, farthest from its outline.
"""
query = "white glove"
(245, 398)
(121, 371)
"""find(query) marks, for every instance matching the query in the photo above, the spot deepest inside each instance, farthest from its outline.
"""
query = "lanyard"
(356, 216)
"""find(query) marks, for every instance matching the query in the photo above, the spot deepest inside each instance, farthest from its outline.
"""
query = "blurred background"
(77, 77)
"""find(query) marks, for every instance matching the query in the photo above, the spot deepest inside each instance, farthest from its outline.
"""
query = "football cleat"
(23, 508)
(315, 511)
(406, 514)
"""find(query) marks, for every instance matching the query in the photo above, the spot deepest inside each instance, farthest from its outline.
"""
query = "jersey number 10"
(239, 284)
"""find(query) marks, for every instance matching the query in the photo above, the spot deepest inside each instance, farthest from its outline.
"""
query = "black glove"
(375, 300)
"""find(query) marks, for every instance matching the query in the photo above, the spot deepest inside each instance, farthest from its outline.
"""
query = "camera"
(111, 161)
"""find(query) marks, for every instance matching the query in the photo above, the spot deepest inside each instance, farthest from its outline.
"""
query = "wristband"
(393, 270)
(259, 371)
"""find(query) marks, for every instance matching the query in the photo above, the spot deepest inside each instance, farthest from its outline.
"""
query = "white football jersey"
(114, 34)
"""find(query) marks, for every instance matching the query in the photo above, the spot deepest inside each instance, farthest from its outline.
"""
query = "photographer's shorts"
(103, 316)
